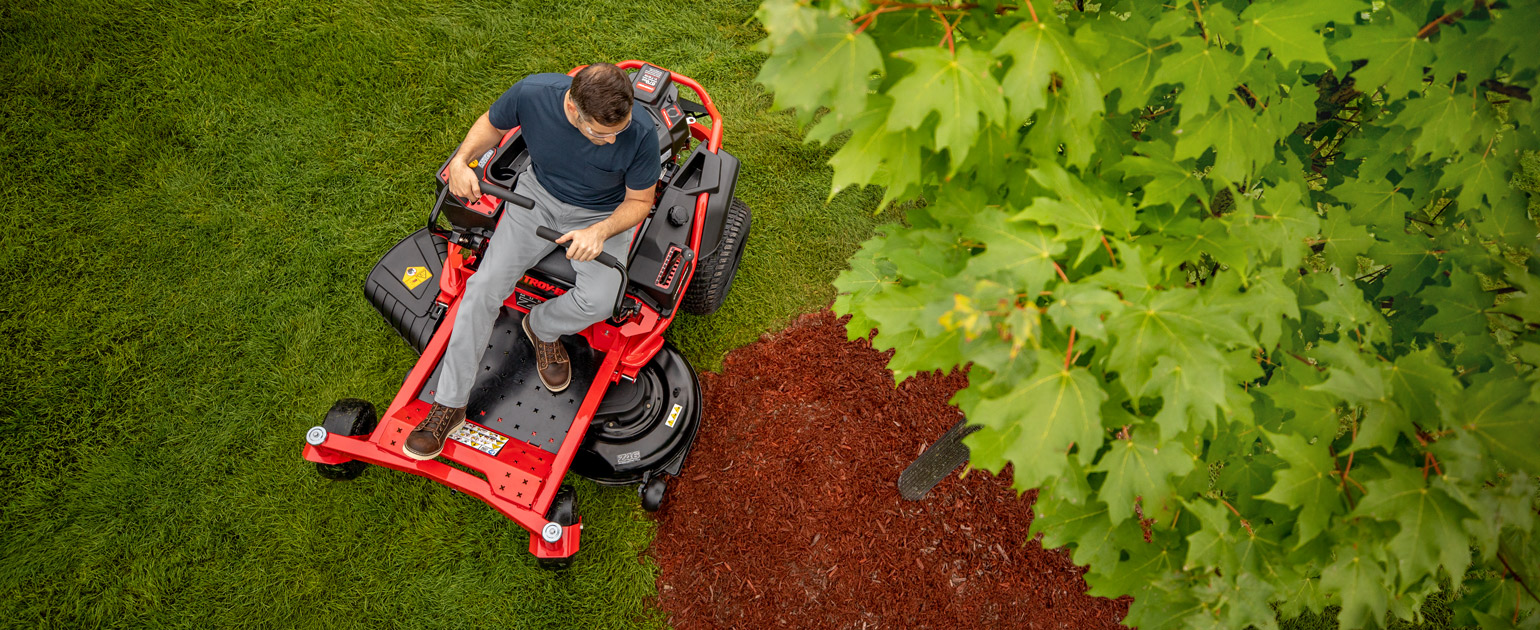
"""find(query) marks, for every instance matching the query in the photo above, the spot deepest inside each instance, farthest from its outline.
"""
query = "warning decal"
(673, 415)
(479, 439)
(415, 276)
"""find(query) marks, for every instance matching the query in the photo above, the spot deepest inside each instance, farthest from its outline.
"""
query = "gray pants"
(513, 250)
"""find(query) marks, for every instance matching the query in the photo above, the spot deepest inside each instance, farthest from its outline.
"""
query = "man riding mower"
(539, 314)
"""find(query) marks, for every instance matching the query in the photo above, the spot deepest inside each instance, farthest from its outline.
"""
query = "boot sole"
(530, 334)
(407, 451)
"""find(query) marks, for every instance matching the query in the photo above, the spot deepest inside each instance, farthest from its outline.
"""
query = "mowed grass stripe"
(193, 193)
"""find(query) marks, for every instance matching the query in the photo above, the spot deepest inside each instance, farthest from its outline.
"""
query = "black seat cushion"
(556, 269)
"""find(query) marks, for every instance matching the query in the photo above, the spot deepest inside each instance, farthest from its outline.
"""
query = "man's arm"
(587, 243)
(482, 136)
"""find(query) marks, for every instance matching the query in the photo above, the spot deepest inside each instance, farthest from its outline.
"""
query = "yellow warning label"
(415, 276)
(673, 415)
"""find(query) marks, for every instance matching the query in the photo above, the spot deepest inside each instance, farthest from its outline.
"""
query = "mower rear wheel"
(563, 512)
(714, 274)
(348, 417)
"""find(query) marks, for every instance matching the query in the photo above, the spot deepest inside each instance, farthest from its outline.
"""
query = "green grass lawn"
(192, 194)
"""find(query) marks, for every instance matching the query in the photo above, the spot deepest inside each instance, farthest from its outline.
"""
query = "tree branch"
(1505, 89)
(1516, 577)
(1447, 18)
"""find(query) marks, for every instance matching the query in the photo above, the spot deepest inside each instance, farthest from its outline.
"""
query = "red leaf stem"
(1068, 352)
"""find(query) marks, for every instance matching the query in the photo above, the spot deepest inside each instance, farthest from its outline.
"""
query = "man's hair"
(603, 93)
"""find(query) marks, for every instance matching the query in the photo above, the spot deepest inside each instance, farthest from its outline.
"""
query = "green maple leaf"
(1190, 392)
(1206, 74)
(1412, 260)
(1023, 250)
(1288, 29)
(1358, 581)
(1382, 422)
(1140, 467)
(1097, 541)
(1431, 534)
(1463, 47)
(1307, 484)
(1232, 132)
(1245, 477)
(1081, 212)
(1294, 108)
(898, 308)
(1513, 30)
(914, 352)
(1496, 414)
(958, 89)
(1172, 323)
(1462, 306)
(1286, 226)
(1034, 422)
(1374, 202)
(1347, 309)
(1133, 575)
(818, 62)
(1345, 242)
(1507, 222)
(1168, 183)
(1481, 176)
(864, 279)
(874, 155)
(1443, 121)
(1214, 544)
(1423, 386)
(1084, 307)
(1351, 378)
(1269, 302)
(924, 255)
(1396, 55)
(1039, 54)
(1190, 237)
(1131, 58)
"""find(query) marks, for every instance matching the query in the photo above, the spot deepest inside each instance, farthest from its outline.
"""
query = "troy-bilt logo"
(649, 79)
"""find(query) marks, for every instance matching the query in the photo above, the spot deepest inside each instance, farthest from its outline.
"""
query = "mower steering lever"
(488, 188)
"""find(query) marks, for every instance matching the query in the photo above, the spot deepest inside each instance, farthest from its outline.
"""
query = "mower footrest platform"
(936, 462)
(508, 396)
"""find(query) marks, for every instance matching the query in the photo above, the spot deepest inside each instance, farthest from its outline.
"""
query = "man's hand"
(462, 181)
(583, 245)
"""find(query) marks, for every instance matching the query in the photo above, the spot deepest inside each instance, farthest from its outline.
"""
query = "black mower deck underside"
(508, 397)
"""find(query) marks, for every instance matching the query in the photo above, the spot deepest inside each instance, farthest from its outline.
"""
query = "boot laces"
(436, 419)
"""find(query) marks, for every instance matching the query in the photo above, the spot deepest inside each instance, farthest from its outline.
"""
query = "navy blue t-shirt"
(569, 165)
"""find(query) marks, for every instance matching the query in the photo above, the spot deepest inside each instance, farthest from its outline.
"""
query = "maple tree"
(1247, 290)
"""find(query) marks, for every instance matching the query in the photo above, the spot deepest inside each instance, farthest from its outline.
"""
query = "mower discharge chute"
(633, 408)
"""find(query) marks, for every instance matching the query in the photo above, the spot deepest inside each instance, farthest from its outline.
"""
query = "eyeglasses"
(603, 136)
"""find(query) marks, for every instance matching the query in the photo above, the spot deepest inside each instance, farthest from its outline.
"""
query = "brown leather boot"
(550, 361)
(427, 440)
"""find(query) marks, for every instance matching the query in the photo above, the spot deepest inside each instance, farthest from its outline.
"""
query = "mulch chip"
(788, 513)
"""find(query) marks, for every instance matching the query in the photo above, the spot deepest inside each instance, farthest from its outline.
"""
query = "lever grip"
(603, 258)
(488, 188)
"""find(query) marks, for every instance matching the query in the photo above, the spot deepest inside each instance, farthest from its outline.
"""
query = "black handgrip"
(603, 259)
(506, 195)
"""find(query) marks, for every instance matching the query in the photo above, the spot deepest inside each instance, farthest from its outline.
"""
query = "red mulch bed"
(789, 516)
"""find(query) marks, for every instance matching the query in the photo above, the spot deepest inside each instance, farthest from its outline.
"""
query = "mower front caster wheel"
(348, 417)
(563, 512)
(652, 492)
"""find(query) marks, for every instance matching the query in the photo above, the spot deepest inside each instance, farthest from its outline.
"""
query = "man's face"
(591, 129)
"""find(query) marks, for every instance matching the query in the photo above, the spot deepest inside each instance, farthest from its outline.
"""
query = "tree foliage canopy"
(1248, 290)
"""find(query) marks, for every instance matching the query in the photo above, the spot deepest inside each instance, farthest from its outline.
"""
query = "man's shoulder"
(550, 80)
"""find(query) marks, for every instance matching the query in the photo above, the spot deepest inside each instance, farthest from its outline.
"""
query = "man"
(594, 169)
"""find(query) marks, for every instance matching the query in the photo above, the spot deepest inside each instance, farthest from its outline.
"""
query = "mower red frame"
(520, 483)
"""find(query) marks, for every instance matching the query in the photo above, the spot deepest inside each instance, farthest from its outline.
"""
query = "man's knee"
(595, 299)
